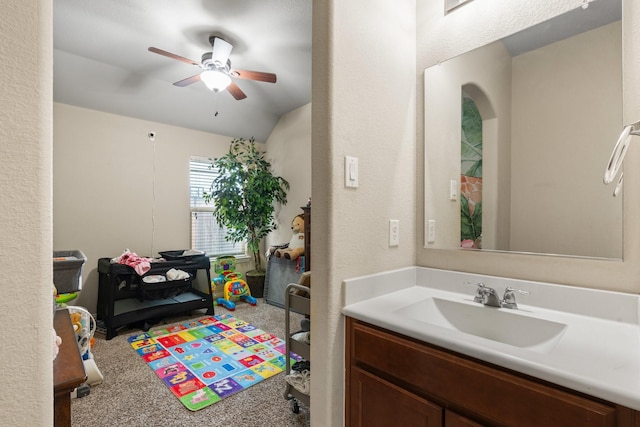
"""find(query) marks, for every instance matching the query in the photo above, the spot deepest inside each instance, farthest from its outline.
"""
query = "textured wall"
(289, 150)
(363, 106)
(25, 214)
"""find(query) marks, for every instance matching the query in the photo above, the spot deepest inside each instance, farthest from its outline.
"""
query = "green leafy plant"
(470, 223)
(471, 147)
(471, 166)
(244, 193)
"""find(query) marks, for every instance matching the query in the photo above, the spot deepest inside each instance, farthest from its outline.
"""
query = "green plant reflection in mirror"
(471, 175)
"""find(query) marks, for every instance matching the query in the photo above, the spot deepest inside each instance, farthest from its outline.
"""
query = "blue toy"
(235, 290)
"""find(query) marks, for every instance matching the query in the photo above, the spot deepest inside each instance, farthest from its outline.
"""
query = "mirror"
(518, 134)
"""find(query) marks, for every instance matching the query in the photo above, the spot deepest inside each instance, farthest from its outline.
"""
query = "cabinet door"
(476, 387)
(451, 419)
(376, 402)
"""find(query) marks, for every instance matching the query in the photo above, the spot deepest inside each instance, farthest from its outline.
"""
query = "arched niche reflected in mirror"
(550, 105)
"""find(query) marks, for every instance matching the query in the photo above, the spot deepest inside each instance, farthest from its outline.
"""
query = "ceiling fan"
(217, 72)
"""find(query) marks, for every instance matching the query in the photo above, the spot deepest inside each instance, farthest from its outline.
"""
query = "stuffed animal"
(296, 244)
(57, 341)
(76, 321)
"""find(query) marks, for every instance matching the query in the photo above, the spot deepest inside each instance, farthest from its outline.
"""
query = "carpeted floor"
(132, 395)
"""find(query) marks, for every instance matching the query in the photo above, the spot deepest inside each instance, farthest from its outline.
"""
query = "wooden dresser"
(68, 369)
(307, 237)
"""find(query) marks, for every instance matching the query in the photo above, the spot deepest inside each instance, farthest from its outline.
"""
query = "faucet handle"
(509, 298)
(479, 297)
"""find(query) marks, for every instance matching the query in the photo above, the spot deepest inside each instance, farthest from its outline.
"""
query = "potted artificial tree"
(244, 193)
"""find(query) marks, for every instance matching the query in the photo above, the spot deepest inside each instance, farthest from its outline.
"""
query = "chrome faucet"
(479, 297)
(485, 295)
(509, 299)
(489, 296)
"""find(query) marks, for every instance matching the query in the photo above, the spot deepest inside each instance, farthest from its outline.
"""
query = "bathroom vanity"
(395, 380)
(420, 351)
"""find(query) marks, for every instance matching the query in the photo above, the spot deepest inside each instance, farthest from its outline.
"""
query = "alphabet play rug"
(209, 359)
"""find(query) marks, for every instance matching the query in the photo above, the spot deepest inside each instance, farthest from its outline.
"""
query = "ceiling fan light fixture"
(215, 80)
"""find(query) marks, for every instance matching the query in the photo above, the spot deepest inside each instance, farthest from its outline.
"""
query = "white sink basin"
(583, 339)
(501, 325)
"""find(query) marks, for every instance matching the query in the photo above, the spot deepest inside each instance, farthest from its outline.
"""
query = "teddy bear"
(296, 244)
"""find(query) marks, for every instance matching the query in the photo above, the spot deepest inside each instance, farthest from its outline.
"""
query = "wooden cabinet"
(376, 402)
(68, 369)
(307, 236)
(456, 420)
(392, 379)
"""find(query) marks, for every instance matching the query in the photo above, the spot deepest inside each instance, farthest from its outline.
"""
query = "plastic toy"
(84, 326)
(235, 290)
(225, 277)
(62, 299)
(224, 264)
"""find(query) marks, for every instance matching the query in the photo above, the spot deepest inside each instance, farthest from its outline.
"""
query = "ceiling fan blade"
(220, 50)
(254, 75)
(187, 81)
(235, 91)
(173, 56)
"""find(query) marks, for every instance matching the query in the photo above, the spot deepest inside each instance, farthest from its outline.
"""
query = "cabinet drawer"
(487, 392)
(380, 403)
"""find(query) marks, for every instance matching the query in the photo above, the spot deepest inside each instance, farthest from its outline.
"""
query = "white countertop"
(598, 353)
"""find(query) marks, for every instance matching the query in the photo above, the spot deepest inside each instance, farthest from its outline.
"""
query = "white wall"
(477, 23)
(114, 189)
(289, 151)
(25, 214)
(557, 168)
(363, 106)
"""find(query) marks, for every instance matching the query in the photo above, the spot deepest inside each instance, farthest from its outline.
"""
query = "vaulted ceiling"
(102, 62)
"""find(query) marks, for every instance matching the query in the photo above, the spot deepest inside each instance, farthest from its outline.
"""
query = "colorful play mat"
(207, 360)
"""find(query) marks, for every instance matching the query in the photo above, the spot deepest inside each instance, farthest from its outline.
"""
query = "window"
(206, 234)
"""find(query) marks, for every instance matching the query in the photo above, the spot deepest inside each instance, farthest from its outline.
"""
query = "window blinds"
(206, 234)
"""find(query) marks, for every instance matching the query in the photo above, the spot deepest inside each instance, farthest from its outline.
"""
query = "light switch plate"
(431, 231)
(394, 232)
(453, 190)
(351, 172)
